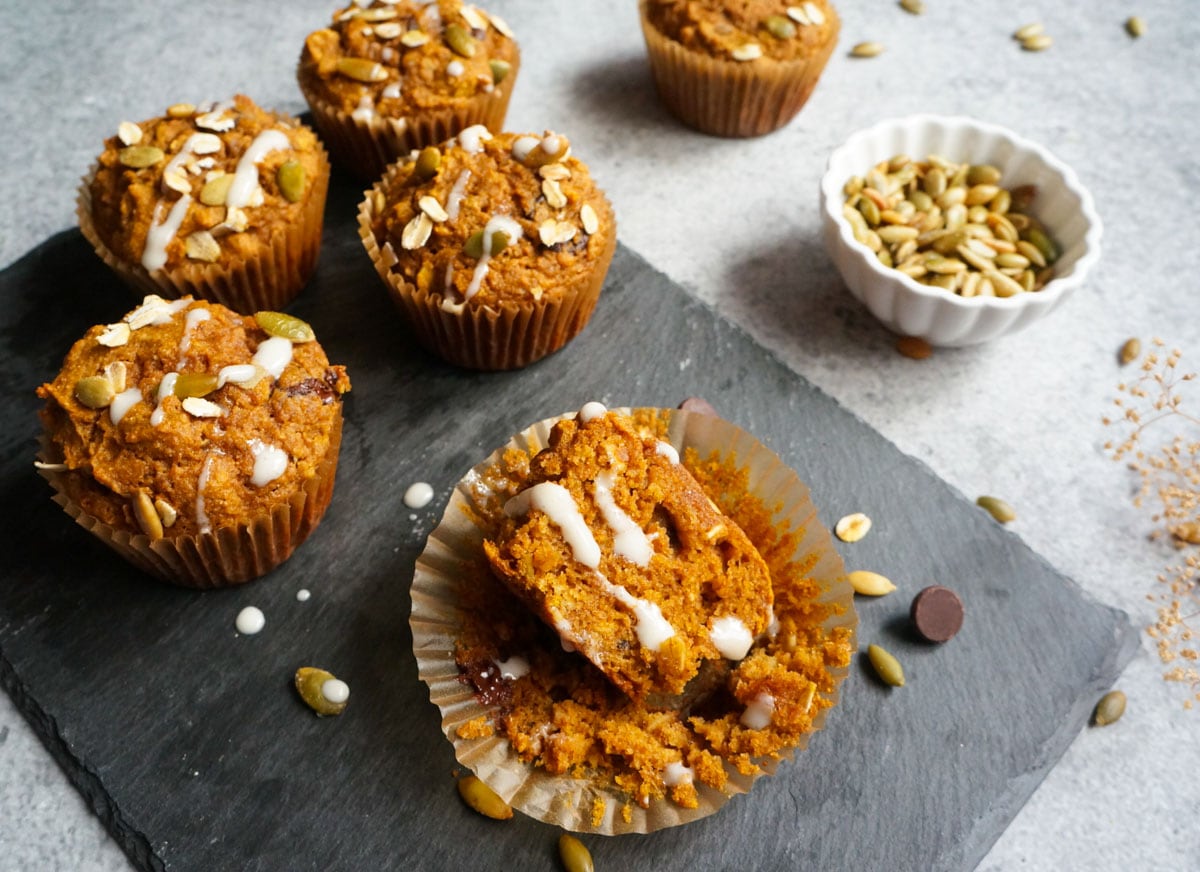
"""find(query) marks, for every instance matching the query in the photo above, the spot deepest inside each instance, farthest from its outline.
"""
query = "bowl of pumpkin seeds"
(954, 230)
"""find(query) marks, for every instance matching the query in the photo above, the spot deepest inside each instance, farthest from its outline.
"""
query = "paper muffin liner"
(453, 553)
(733, 98)
(509, 335)
(225, 557)
(268, 281)
(364, 147)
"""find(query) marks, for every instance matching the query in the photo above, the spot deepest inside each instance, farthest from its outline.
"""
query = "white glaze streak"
(558, 504)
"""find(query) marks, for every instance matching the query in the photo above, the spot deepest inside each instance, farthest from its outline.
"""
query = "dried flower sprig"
(1167, 462)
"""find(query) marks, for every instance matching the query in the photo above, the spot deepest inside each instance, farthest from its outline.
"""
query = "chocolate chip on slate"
(937, 613)
(698, 405)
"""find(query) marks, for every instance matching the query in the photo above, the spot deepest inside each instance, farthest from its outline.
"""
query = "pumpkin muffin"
(737, 67)
(387, 77)
(557, 722)
(495, 247)
(224, 202)
(198, 443)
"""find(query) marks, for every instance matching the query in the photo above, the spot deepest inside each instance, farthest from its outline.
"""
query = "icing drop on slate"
(418, 495)
(250, 620)
(302, 595)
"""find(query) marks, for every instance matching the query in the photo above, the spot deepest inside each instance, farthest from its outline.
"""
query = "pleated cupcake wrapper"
(364, 147)
(268, 281)
(228, 555)
(728, 97)
(508, 336)
(453, 555)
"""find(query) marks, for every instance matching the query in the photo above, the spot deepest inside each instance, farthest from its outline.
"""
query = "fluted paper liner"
(228, 555)
(509, 335)
(268, 281)
(733, 98)
(364, 147)
(454, 551)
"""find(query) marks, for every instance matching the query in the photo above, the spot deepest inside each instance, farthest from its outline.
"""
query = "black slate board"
(189, 743)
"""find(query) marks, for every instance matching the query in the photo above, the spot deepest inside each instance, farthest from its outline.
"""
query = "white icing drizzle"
(274, 355)
(652, 628)
(335, 690)
(629, 540)
(667, 450)
(457, 193)
(418, 495)
(122, 403)
(757, 715)
(237, 372)
(731, 637)
(523, 145)
(556, 501)
(550, 144)
(250, 620)
(193, 317)
(591, 411)
(154, 254)
(454, 69)
(473, 138)
(676, 773)
(513, 668)
(270, 462)
(165, 388)
(201, 484)
(772, 622)
(563, 627)
(245, 177)
(198, 143)
(497, 223)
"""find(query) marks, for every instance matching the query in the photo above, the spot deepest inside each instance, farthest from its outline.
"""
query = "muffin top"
(745, 30)
(395, 59)
(210, 417)
(492, 220)
(203, 184)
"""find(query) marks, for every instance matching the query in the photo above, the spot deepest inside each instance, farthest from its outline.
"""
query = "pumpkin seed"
(500, 70)
(1042, 243)
(146, 515)
(887, 667)
(291, 176)
(483, 799)
(997, 508)
(867, 50)
(460, 41)
(361, 69)
(285, 326)
(473, 247)
(414, 38)
(195, 384)
(427, 163)
(914, 347)
(1135, 26)
(1028, 31)
(312, 684)
(1131, 350)
(913, 7)
(779, 27)
(139, 157)
(574, 854)
(1109, 709)
(870, 583)
(94, 391)
(216, 189)
(1041, 42)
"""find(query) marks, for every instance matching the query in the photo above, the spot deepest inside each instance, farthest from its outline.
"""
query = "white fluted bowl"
(938, 316)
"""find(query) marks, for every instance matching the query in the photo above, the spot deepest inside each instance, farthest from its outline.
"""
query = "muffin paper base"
(453, 553)
(228, 555)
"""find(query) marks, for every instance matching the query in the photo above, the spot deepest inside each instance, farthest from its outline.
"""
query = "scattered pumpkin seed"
(1043, 243)
(147, 516)
(1041, 42)
(361, 69)
(852, 527)
(414, 38)
(914, 347)
(483, 799)
(312, 684)
(500, 70)
(913, 7)
(291, 177)
(460, 41)
(286, 326)
(139, 157)
(1109, 709)
(1131, 350)
(780, 27)
(866, 49)
(1028, 31)
(997, 508)
(887, 667)
(1135, 26)
(94, 391)
(195, 384)
(870, 583)
(216, 189)
(574, 854)
(429, 159)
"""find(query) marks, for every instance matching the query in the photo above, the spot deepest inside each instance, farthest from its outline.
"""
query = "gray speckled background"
(736, 223)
